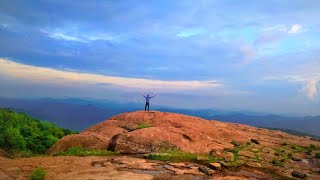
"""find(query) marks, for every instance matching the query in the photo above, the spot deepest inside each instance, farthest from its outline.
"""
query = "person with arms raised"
(148, 97)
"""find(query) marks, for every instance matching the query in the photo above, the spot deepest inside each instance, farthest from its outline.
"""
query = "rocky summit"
(145, 132)
(174, 146)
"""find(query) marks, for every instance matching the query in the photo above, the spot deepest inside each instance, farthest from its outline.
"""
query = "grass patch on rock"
(80, 151)
(173, 156)
(143, 125)
(276, 162)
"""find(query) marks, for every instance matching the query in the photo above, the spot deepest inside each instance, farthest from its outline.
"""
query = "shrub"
(143, 125)
(313, 147)
(318, 155)
(18, 171)
(38, 174)
(20, 154)
(309, 151)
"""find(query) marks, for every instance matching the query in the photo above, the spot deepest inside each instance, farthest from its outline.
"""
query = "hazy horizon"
(261, 56)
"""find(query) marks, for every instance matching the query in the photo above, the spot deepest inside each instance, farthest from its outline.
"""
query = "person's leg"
(148, 106)
(145, 107)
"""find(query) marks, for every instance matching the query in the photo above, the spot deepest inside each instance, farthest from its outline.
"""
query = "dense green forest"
(22, 133)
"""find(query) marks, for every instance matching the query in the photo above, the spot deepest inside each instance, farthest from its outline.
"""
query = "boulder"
(254, 141)
(206, 170)
(228, 156)
(298, 174)
(254, 164)
(215, 166)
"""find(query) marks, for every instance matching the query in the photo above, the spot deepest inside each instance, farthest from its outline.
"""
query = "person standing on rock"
(147, 101)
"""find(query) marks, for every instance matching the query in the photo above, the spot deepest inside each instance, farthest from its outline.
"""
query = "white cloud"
(279, 27)
(296, 28)
(309, 84)
(292, 29)
(58, 35)
(80, 37)
(311, 89)
(185, 33)
(65, 78)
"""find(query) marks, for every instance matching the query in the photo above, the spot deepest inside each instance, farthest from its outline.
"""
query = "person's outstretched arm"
(153, 96)
(142, 95)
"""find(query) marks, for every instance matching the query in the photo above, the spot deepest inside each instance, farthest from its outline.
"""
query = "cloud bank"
(53, 76)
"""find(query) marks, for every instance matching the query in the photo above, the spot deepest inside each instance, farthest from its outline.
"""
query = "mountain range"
(78, 114)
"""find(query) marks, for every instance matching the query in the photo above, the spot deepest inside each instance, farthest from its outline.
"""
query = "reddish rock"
(169, 131)
(228, 156)
(215, 166)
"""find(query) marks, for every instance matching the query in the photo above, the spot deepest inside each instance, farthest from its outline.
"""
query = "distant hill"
(78, 114)
(74, 114)
(307, 124)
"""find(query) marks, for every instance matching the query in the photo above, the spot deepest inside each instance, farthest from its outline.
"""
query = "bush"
(309, 151)
(143, 125)
(80, 151)
(318, 155)
(20, 154)
(313, 147)
(20, 132)
(38, 174)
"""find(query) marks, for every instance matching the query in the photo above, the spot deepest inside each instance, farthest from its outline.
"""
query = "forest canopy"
(20, 132)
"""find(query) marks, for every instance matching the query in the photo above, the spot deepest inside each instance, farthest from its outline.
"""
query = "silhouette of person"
(148, 97)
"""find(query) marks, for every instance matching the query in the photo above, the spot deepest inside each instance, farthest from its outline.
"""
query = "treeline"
(20, 132)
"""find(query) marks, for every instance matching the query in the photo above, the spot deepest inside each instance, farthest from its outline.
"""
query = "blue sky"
(235, 55)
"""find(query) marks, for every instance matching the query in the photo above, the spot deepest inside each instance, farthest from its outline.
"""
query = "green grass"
(318, 155)
(309, 151)
(80, 151)
(18, 171)
(296, 148)
(38, 174)
(143, 125)
(279, 163)
(20, 154)
(314, 147)
(173, 156)
(257, 157)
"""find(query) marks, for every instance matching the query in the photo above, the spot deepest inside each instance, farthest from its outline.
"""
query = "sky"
(260, 56)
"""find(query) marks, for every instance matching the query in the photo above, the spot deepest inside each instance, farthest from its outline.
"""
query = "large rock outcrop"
(124, 133)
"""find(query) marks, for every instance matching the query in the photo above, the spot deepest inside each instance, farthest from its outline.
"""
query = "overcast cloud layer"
(252, 55)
